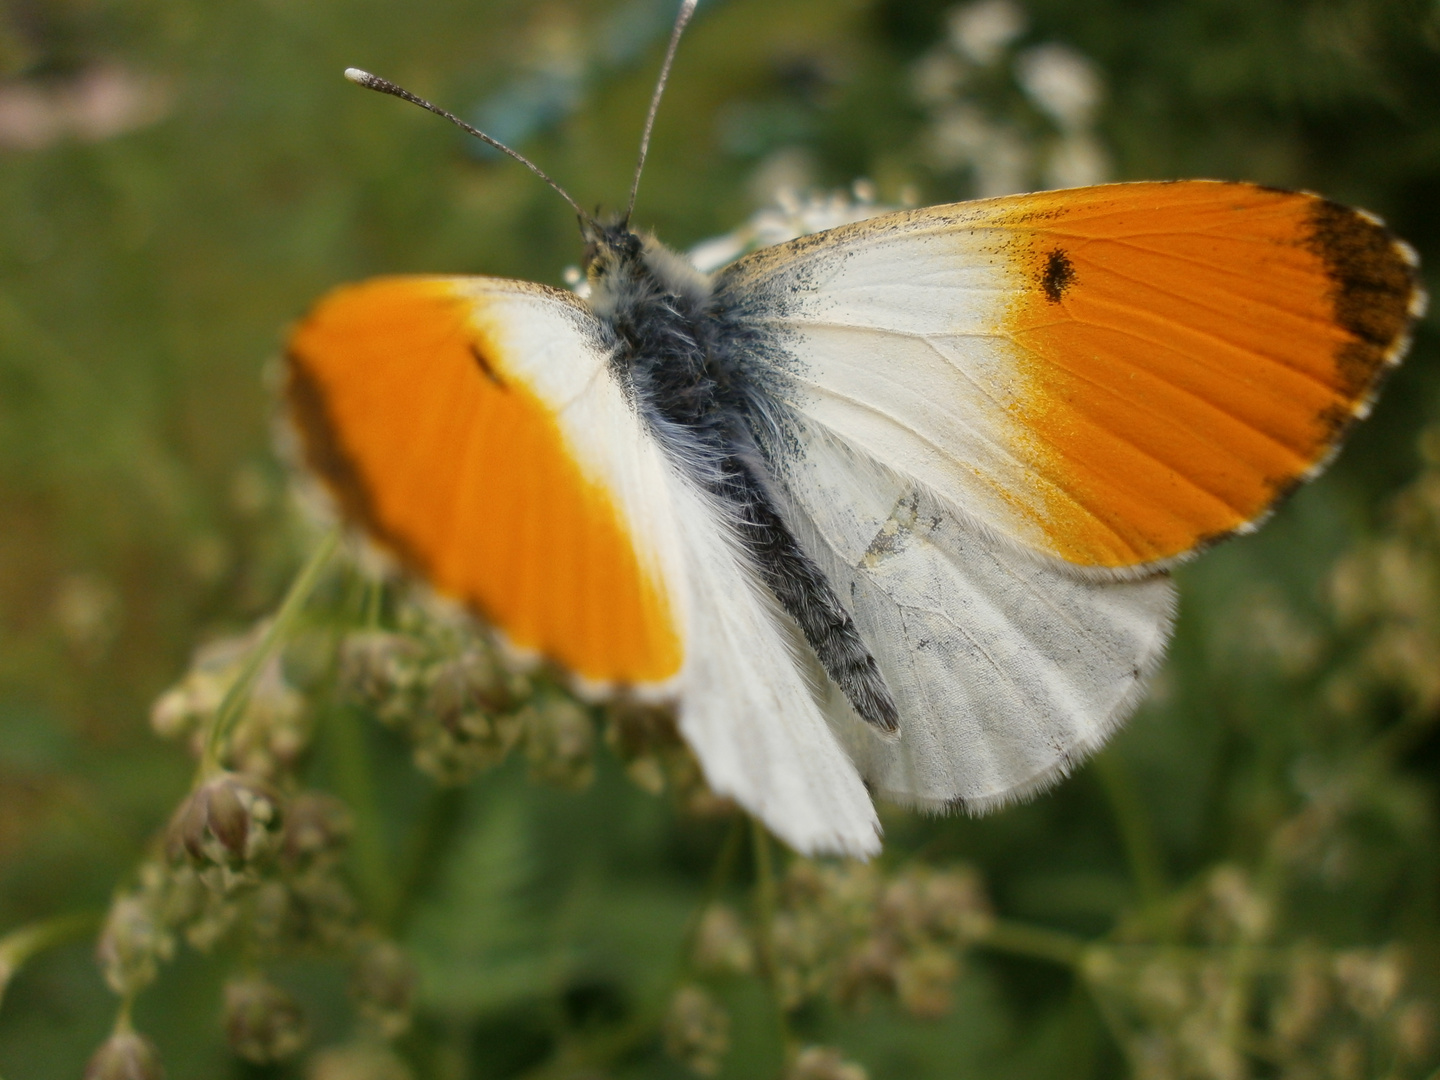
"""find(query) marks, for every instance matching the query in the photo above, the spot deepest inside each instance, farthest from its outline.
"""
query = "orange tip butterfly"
(887, 508)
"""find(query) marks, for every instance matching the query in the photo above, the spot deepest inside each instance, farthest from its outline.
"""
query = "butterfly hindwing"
(1112, 376)
(1006, 669)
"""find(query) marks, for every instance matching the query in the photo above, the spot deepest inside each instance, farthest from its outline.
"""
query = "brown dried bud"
(126, 1055)
(230, 823)
(133, 945)
(263, 1023)
(383, 983)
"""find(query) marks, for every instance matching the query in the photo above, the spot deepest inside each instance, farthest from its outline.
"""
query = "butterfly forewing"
(469, 426)
(1114, 375)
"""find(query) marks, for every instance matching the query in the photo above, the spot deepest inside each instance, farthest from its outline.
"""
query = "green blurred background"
(179, 179)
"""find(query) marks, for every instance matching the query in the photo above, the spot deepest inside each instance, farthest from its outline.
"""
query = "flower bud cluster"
(263, 1023)
(133, 943)
(1207, 1011)
(559, 736)
(383, 982)
(241, 863)
(306, 904)
(227, 830)
(697, 1030)
(443, 687)
(846, 930)
(1389, 585)
(657, 759)
(273, 729)
(126, 1055)
(1338, 1016)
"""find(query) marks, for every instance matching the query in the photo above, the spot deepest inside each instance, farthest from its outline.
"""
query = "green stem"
(719, 875)
(19, 947)
(1142, 850)
(602, 1051)
(374, 603)
(765, 911)
(354, 780)
(233, 704)
(1034, 943)
(439, 820)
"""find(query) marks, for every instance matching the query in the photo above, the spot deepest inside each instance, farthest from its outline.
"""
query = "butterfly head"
(624, 267)
(609, 246)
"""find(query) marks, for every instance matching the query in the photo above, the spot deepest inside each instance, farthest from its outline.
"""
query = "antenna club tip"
(359, 77)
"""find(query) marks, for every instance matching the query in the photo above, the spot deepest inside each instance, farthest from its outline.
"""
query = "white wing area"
(1006, 669)
(746, 709)
(895, 327)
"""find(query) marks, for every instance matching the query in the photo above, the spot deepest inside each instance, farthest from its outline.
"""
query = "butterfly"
(885, 509)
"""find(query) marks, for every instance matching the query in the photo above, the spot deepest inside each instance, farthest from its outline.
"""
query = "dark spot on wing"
(486, 366)
(1059, 275)
(1372, 285)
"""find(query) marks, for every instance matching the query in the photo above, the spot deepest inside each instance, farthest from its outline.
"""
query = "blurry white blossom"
(1063, 84)
(100, 103)
(982, 31)
(1004, 117)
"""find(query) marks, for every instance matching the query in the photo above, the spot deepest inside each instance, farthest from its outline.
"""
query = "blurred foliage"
(1244, 884)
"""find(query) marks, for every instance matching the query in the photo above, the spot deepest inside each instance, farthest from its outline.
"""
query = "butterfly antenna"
(385, 86)
(687, 9)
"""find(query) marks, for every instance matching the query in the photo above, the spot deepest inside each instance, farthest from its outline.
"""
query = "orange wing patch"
(1190, 352)
(407, 411)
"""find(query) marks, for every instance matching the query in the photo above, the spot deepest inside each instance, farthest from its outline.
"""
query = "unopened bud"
(133, 945)
(229, 823)
(383, 983)
(126, 1055)
(474, 681)
(382, 670)
(263, 1023)
(722, 945)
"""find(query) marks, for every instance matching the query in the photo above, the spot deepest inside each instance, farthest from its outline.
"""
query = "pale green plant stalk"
(22, 945)
(233, 704)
